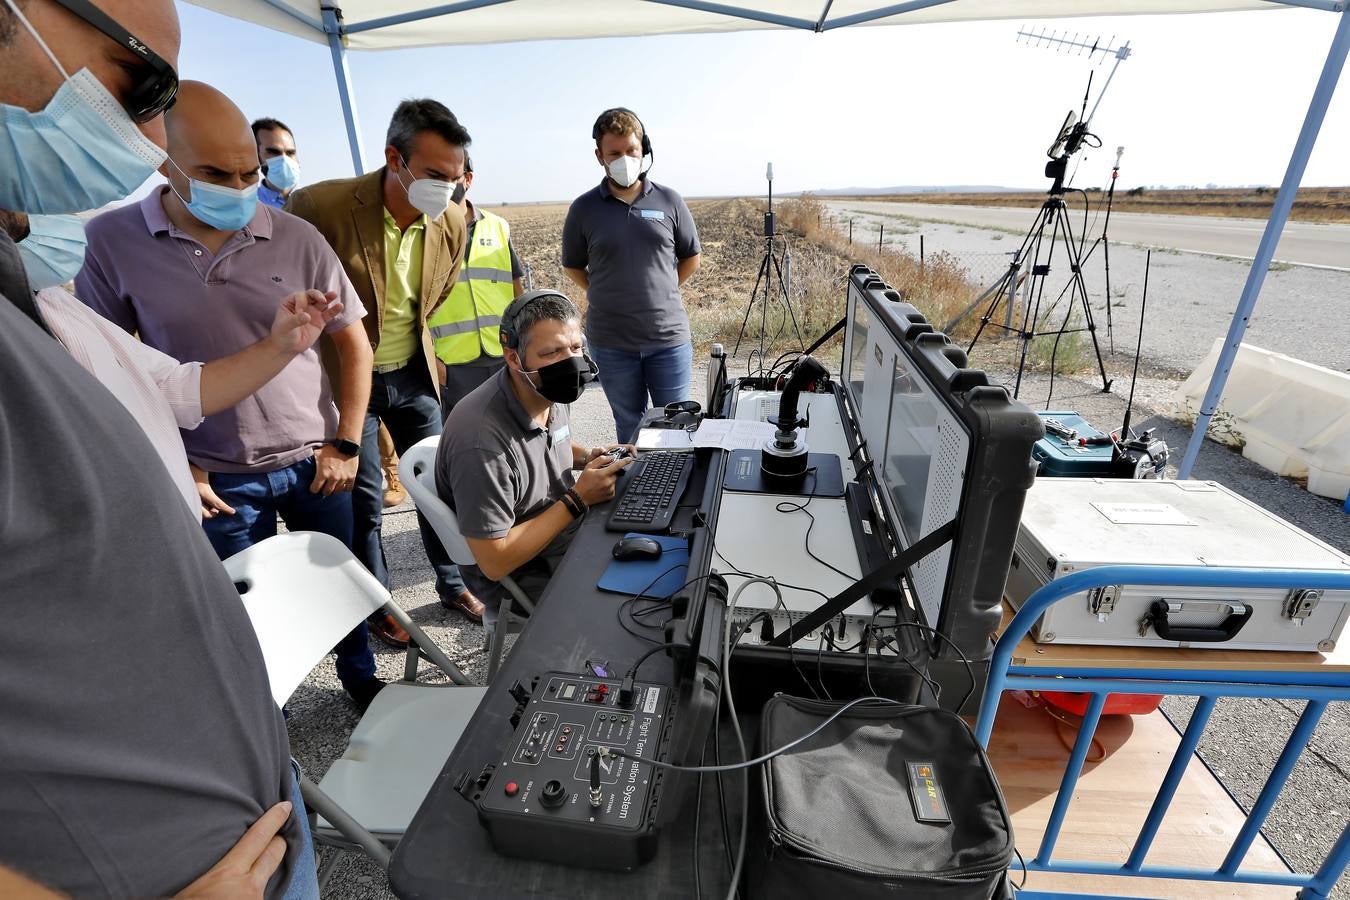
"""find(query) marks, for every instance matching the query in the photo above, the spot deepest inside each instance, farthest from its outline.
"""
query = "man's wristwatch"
(345, 448)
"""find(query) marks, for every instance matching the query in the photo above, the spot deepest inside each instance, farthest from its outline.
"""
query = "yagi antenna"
(1062, 43)
(1082, 44)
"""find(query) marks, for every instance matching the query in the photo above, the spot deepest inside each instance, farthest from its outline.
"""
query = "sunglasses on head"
(156, 83)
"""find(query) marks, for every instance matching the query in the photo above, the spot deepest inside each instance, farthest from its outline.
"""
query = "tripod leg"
(998, 291)
(1081, 289)
(1035, 289)
(1054, 354)
(787, 301)
(764, 308)
(1106, 259)
(995, 290)
(748, 307)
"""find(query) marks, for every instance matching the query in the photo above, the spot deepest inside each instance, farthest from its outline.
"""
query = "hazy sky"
(1204, 99)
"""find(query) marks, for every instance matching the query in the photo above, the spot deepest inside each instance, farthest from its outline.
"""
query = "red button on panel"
(512, 789)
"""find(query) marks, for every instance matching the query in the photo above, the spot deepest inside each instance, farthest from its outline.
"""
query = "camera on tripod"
(1069, 141)
(769, 222)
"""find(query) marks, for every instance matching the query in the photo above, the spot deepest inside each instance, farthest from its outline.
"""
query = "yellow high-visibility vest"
(468, 324)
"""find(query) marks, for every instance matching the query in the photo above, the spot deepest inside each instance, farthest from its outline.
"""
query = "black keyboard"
(652, 492)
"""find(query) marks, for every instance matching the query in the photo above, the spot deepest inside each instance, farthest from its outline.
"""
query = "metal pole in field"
(850, 231)
(1265, 251)
(920, 252)
(881, 235)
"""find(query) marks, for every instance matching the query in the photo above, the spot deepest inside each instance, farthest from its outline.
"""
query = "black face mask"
(563, 381)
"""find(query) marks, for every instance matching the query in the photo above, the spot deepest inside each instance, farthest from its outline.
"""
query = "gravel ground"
(1191, 298)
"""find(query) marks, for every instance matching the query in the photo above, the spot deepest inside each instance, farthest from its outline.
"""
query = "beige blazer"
(349, 213)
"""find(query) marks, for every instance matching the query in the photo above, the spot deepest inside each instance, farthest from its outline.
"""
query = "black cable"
(764, 614)
(632, 670)
(820, 676)
(640, 595)
(737, 570)
(758, 760)
(737, 635)
(1024, 868)
(792, 651)
(900, 655)
(970, 671)
(788, 506)
(660, 605)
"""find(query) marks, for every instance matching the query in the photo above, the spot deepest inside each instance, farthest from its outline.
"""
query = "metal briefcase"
(1070, 524)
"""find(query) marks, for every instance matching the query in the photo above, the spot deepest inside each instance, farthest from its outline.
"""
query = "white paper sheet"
(664, 439)
(732, 434)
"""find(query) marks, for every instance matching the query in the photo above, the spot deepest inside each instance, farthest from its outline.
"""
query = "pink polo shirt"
(162, 394)
(150, 278)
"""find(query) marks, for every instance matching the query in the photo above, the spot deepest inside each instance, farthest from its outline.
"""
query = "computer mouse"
(631, 548)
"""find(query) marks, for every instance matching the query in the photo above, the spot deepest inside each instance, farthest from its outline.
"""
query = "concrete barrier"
(1293, 417)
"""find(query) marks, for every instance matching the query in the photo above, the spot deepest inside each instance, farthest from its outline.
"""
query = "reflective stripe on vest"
(468, 324)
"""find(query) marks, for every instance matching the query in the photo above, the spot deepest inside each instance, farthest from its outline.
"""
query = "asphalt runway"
(1302, 243)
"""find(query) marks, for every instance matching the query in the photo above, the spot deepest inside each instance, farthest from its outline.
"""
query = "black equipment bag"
(889, 801)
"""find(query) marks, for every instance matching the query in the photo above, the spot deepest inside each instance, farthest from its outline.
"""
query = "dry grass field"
(718, 295)
(1316, 204)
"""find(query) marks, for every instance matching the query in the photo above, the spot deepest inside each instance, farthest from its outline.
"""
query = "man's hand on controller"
(595, 484)
(607, 449)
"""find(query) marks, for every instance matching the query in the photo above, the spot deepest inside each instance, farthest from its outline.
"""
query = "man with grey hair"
(507, 462)
(400, 235)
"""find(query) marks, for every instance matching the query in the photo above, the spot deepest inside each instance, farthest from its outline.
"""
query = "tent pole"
(332, 19)
(1284, 201)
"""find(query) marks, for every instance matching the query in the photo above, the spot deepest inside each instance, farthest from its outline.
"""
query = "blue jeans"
(629, 377)
(258, 498)
(304, 878)
(406, 402)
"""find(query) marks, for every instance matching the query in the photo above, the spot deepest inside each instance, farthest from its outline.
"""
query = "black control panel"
(561, 795)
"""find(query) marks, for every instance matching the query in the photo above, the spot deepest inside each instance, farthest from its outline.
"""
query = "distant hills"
(915, 189)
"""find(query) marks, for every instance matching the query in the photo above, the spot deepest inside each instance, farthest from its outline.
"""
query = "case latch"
(1299, 605)
(1102, 601)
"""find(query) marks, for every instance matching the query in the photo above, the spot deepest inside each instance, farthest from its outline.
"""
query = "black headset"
(646, 141)
(512, 313)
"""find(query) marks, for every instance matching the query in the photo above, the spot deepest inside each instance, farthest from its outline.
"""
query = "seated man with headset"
(506, 460)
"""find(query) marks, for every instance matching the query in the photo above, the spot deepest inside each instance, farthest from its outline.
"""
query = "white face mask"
(430, 195)
(625, 170)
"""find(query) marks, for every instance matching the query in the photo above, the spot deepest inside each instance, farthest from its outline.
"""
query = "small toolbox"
(1071, 524)
(1061, 456)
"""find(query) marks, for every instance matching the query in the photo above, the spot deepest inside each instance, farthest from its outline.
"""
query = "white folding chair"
(303, 591)
(417, 471)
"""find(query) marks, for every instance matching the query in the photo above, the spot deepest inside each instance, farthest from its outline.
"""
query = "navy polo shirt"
(630, 254)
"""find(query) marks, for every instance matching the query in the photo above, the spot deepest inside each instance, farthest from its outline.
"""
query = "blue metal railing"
(1318, 688)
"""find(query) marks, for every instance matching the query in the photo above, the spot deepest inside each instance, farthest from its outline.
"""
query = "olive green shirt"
(399, 339)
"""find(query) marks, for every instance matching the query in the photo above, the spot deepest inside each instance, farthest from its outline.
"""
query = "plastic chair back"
(417, 471)
(303, 592)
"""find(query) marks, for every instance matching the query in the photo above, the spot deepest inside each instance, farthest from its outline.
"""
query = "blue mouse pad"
(658, 577)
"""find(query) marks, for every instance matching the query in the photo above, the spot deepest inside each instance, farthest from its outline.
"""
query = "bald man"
(130, 767)
(196, 269)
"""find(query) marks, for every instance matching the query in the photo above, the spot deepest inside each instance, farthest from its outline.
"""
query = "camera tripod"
(768, 267)
(1053, 218)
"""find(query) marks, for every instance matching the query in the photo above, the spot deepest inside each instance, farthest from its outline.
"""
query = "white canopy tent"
(393, 24)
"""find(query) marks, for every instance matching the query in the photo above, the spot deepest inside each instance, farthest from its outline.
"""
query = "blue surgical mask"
(82, 151)
(225, 209)
(53, 252)
(283, 172)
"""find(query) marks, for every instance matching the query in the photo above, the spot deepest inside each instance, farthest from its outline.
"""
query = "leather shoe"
(363, 693)
(465, 602)
(386, 628)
